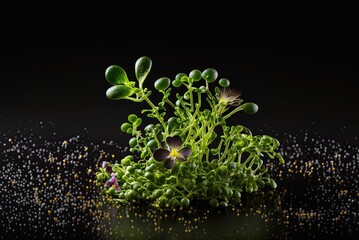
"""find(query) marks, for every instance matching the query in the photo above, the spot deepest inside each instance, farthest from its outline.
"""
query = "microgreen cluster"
(188, 152)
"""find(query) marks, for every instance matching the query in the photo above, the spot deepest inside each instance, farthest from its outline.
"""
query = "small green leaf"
(224, 82)
(118, 92)
(185, 202)
(162, 83)
(149, 127)
(142, 68)
(217, 90)
(280, 158)
(125, 126)
(210, 75)
(214, 203)
(250, 108)
(133, 142)
(132, 118)
(223, 204)
(116, 75)
(151, 115)
(172, 121)
(272, 183)
(151, 144)
(176, 83)
(180, 75)
(237, 194)
(195, 75)
(129, 131)
(137, 122)
(144, 154)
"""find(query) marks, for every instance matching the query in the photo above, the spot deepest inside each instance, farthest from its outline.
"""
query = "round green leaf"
(163, 201)
(136, 186)
(224, 82)
(210, 75)
(162, 83)
(172, 121)
(118, 92)
(176, 83)
(169, 192)
(217, 90)
(151, 144)
(125, 126)
(131, 194)
(185, 202)
(149, 176)
(133, 142)
(250, 108)
(137, 122)
(142, 68)
(214, 202)
(130, 169)
(195, 75)
(151, 167)
(236, 194)
(144, 154)
(180, 75)
(126, 161)
(149, 127)
(111, 191)
(157, 193)
(132, 118)
(223, 204)
(116, 75)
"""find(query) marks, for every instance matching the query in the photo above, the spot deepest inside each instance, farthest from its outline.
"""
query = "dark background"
(297, 76)
(302, 78)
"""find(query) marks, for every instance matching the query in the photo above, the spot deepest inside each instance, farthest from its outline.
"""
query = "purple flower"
(107, 166)
(112, 182)
(173, 151)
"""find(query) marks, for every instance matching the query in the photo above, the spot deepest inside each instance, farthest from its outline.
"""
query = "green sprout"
(188, 153)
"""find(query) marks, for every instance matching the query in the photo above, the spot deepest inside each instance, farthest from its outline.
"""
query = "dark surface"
(302, 80)
(47, 193)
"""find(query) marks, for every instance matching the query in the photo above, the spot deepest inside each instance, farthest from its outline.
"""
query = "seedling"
(190, 152)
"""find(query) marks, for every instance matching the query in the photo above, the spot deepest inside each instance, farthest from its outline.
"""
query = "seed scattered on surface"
(47, 190)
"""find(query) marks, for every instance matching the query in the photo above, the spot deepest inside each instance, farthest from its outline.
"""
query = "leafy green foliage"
(194, 154)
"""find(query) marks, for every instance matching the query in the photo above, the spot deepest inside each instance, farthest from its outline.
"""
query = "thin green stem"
(224, 152)
(237, 109)
(239, 157)
(220, 147)
(171, 104)
(247, 160)
(191, 97)
(158, 116)
(199, 104)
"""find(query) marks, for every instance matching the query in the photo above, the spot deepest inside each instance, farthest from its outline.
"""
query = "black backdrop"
(297, 77)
